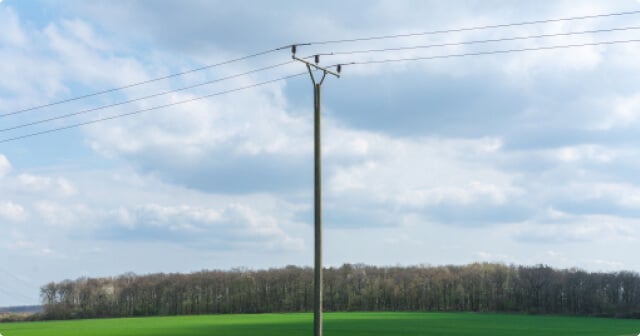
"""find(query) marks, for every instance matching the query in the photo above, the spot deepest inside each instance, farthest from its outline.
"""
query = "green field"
(441, 324)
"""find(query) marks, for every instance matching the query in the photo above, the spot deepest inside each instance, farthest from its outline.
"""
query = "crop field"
(336, 324)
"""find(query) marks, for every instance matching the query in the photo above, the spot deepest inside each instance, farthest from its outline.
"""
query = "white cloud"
(624, 112)
(531, 66)
(593, 153)
(577, 230)
(61, 215)
(41, 184)
(5, 166)
(12, 211)
(233, 123)
(23, 55)
(421, 172)
(126, 206)
(83, 33)
(622, 194)
(82, 54)
(233, 226)
(227, 181)
(11, 32)
(171, 218)
(21, 243)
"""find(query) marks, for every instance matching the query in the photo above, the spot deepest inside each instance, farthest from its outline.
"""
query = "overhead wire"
(150, 109)
(452, 44)
(128, 86)
(325, 42)
(457, 30)
(15, 295)
(492, 52)
(24, 284)
(352, 52)
(326, 54)
(67, 115)
(17, 279)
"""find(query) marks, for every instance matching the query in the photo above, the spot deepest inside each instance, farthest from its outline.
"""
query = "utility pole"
(317, 184)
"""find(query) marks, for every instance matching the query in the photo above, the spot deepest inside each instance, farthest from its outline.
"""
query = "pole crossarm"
(313, 65)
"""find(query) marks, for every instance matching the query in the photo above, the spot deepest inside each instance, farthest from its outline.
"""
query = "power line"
(150, 109)
(128, 86)
(335, 53)
(20, 281)
(143, 98)
(504, 39)
(323, 54)
(492, 52)
(312, 43)
(456, 30)
(15, 295)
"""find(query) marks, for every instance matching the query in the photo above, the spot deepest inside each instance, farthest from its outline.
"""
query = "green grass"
(336, 324)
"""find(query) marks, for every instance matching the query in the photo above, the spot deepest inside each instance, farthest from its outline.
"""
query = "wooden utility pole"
(317, 183)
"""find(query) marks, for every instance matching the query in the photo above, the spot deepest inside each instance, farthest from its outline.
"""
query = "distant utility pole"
(317, 294)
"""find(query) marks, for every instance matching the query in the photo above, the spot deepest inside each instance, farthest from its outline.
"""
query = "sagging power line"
(409, 59)
(16, 295)
(347, 52)
(458, 30)
(128, 86)
(72, 114)
(150, 109)
(324, 42)
(453, 44)
(492, 52)
(352, 52)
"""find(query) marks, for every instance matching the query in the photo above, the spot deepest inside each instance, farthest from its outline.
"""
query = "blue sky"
(518, 158)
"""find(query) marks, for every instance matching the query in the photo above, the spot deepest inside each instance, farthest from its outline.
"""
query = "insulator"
(339, 68)
(293, 49)
(317, 57)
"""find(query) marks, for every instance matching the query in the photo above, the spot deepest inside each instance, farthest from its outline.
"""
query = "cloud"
(85, 57)
(529, 151)
(217, 146)
(5, 166)
(61, 215)
(12, 211)
(231, 227)
(42, 184)
(444, 177)
(23, 55)
(12, 33)
(618, 199)
(128, 207)
(576, 229)
(625, 112)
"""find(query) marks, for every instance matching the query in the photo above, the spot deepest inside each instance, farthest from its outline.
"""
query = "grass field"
(336, 324)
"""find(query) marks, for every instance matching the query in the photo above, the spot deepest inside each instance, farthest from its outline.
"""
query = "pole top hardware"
(316, 66)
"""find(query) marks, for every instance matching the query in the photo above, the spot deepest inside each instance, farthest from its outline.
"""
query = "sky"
(518, 158)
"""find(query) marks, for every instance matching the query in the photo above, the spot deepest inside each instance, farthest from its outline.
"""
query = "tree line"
(479, 287)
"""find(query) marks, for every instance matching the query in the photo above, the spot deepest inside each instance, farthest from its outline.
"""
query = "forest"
(479, 287)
